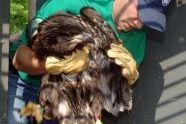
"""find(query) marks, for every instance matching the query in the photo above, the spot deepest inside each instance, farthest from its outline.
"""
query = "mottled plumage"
(100, 86)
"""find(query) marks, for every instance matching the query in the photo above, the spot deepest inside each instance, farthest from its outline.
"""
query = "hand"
(71, 64)
(125, 60)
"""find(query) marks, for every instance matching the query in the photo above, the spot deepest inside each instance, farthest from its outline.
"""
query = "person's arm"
(26, 60)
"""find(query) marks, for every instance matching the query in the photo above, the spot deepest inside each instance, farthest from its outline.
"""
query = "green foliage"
(18, 15)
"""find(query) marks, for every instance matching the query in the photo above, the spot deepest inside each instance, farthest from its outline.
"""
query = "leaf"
(18, 15)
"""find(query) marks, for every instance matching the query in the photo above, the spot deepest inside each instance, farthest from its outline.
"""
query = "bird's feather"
(85, 94)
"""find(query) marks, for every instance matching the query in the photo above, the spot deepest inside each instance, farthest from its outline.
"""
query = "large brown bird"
(80, 97)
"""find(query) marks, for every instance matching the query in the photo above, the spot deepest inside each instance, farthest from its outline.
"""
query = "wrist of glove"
(124, 59)
(71, 64)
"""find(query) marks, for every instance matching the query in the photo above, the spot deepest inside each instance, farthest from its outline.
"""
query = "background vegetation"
(18, 15)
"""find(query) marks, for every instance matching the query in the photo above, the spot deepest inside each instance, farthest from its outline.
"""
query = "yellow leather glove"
(124, 59)
(71, 64)
(33, 110)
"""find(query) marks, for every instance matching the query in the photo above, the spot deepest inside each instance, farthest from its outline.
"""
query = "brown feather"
(100, 86)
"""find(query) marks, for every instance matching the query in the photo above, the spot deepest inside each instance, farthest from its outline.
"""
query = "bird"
(80, 97)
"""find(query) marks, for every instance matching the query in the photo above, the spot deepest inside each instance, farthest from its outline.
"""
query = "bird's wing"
(59, 35)
(91, 16)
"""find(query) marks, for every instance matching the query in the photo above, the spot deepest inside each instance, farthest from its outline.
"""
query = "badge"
(165, 2)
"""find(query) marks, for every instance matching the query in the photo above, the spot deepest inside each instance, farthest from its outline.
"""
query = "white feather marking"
(64, 108)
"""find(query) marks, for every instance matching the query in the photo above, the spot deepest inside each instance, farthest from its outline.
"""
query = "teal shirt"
(134, 40)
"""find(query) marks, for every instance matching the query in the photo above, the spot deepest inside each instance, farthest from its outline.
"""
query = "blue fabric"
(19, 93)
(151, 13)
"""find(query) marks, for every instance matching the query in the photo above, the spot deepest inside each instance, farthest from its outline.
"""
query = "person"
(128, 18)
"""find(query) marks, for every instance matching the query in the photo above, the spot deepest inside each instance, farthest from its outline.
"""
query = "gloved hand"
(71, 64)
(33, 110)
(124, 59)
